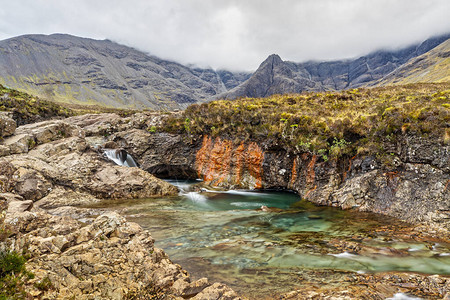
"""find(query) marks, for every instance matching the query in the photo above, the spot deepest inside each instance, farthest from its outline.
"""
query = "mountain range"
(66, 68)
(275, 76)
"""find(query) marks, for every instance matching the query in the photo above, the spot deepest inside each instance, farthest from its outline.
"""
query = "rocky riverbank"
(46, 168)
(109, 258)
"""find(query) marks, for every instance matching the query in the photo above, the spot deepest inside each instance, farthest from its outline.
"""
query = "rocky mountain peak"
(273, 59)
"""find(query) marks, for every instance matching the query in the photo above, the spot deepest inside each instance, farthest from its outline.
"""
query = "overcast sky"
(235, 34)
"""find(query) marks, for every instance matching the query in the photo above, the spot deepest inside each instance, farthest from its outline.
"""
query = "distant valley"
(71, 69)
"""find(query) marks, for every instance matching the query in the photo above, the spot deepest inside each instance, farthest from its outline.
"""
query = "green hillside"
(433, 66)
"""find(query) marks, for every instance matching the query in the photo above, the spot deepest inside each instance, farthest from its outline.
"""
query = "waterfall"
(120, 157)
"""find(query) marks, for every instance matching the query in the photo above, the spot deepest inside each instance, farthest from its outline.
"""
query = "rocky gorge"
(51, 168)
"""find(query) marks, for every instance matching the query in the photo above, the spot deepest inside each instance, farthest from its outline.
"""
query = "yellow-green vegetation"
(97, 109)
(13, 275)
(329, 124)
(27, 109)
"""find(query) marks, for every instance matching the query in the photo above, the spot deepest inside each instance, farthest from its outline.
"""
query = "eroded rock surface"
(60, 159)
(108, 259)
(52, 164)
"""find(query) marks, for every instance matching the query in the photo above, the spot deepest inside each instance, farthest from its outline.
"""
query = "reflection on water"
(227, 237)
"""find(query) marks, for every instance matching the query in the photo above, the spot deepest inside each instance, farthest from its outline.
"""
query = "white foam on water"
(247, 193)
(237, 192)
(196, 197)
(444, 254)
(416, 248)
(344, 255)
(129, 162)
(247, 204)
(110, 154)
(401, 296)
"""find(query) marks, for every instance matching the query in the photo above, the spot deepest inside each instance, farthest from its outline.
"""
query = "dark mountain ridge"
(66, 68)
(275, 76)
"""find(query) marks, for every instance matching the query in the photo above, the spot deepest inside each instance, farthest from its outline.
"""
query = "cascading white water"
(196, 197)
(120, 157)
(183, 187)
(402, 296)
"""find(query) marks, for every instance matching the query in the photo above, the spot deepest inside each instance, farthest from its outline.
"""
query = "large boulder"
(7, 125)
(56, 162)
(97, 124)
(47, 131)
(30, 184)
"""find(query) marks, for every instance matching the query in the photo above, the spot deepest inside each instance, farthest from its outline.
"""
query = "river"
(290, 243)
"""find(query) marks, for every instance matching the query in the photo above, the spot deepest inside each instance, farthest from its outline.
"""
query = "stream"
(225, 236)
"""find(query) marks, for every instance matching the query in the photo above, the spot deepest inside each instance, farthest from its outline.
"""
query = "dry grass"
(327, 123)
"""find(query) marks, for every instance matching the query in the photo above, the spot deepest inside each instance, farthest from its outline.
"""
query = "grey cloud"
(235, 34)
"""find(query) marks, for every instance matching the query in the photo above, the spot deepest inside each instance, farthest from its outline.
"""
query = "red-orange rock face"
(220, 162)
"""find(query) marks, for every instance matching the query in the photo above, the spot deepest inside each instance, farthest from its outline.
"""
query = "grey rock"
(275, 76)
(217, 291)
(7, 125)
(16, 207)
(9, 197)
(61, 169)
(106, 259)
(63, 67)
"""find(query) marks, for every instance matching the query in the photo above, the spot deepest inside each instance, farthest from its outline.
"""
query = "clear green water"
(225, 236)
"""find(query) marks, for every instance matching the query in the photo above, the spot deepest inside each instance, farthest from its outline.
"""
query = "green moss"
(27, 108)
(44, 285)
(13, 275)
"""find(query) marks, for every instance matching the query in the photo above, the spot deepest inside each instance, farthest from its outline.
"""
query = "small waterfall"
(120, 157)
(182, 185)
